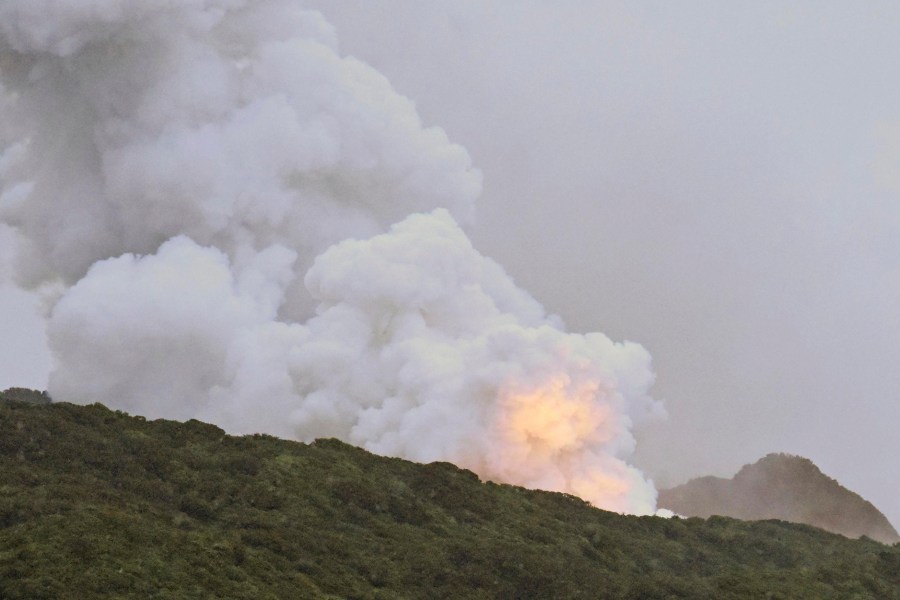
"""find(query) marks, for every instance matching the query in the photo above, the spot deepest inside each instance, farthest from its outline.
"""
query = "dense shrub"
(97, 504)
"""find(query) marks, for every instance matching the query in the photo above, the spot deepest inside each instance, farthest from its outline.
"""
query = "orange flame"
(556, 435)
(557, 416)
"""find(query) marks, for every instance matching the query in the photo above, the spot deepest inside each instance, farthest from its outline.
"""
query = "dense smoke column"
(237, 124)
(210, 186)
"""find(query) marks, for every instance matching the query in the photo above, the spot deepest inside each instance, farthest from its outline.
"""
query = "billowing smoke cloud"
(212, 185)
(234, 123)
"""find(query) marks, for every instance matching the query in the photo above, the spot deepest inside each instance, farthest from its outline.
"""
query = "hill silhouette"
(786, 487)
(95, 503)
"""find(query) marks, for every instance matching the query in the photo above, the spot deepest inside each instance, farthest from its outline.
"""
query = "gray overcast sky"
(719, 182)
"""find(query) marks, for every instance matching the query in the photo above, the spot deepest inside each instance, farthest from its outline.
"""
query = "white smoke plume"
(213, 186)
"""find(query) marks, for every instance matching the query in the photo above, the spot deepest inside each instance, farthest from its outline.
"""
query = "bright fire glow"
(554, 417)
(560, 435)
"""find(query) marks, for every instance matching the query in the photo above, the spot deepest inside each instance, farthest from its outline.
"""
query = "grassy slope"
(98, 504)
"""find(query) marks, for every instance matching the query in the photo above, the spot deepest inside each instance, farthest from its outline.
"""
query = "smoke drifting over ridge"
(213, 186)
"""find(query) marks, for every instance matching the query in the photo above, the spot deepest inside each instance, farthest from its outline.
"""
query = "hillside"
(98, 504)
(781, 486)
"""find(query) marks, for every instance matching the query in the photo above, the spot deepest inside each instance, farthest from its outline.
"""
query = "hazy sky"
(719, 183)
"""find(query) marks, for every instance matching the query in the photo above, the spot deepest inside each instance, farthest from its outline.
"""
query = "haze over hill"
(782, 486)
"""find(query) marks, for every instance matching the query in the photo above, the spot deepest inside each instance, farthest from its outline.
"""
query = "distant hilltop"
(18, 394)
(785, 487)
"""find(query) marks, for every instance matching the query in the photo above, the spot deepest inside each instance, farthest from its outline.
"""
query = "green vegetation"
(98, 504)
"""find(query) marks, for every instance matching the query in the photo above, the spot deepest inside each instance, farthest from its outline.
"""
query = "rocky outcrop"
(785, 487)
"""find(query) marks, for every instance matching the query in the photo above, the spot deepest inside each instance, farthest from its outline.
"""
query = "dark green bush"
(97, 504)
